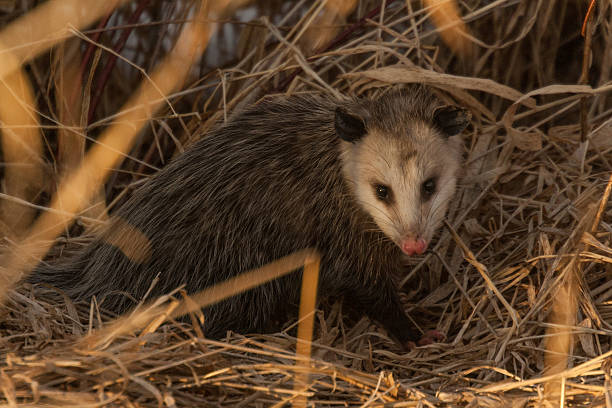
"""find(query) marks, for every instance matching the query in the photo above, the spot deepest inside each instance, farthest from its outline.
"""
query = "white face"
(405, 183)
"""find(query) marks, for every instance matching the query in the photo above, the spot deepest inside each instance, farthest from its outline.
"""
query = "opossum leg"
(259, 310)
(380, 301)
(431, 337)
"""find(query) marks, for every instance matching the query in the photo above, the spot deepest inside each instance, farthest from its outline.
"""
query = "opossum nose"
(411, 246)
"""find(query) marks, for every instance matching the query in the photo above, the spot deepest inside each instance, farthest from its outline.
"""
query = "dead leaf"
(404, 74)
(527, 141)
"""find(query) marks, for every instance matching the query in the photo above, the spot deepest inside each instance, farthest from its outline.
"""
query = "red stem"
(89, 53)
(112, 60)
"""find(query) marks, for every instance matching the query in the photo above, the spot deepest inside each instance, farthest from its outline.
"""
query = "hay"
(518, 279)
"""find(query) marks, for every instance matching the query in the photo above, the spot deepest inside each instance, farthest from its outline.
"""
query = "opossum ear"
(348, 126)
(451, 120)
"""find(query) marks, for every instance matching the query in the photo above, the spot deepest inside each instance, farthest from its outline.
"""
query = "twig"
(342, 37)
(584, 76)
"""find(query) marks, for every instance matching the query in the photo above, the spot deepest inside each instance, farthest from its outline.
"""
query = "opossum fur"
(285, 174)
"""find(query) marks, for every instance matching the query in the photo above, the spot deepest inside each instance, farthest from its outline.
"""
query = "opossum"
(362, 181)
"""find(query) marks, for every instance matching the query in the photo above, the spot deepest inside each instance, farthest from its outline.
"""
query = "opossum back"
(251, 191)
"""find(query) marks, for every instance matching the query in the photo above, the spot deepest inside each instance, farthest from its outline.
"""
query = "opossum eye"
(382, 192)
(428, 188)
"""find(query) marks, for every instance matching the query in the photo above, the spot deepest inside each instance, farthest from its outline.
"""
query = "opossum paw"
(431, 337)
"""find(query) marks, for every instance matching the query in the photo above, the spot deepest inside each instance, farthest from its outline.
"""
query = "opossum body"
(360, 181)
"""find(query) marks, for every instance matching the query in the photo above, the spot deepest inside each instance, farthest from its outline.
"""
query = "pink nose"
(411, 246)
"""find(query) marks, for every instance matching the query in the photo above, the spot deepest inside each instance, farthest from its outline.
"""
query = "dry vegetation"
(519, 279)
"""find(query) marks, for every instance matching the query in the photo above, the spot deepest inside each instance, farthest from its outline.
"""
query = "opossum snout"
(412, 245)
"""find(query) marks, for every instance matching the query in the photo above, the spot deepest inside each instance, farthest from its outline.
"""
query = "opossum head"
(401, 162)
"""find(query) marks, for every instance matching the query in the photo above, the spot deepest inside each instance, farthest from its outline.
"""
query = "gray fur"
(266, 184)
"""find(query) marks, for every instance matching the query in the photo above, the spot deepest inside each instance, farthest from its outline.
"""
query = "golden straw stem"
(22, 149)
(308, 299)
(46, 26)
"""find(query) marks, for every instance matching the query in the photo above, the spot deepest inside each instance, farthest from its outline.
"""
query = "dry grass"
(519, 278)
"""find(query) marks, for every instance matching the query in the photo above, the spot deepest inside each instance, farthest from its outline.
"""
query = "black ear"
(348, 127)
(451, 120)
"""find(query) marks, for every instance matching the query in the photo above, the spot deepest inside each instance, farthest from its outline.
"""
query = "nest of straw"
(519, 278)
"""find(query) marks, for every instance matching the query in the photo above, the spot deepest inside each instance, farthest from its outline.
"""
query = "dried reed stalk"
(22, 151)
